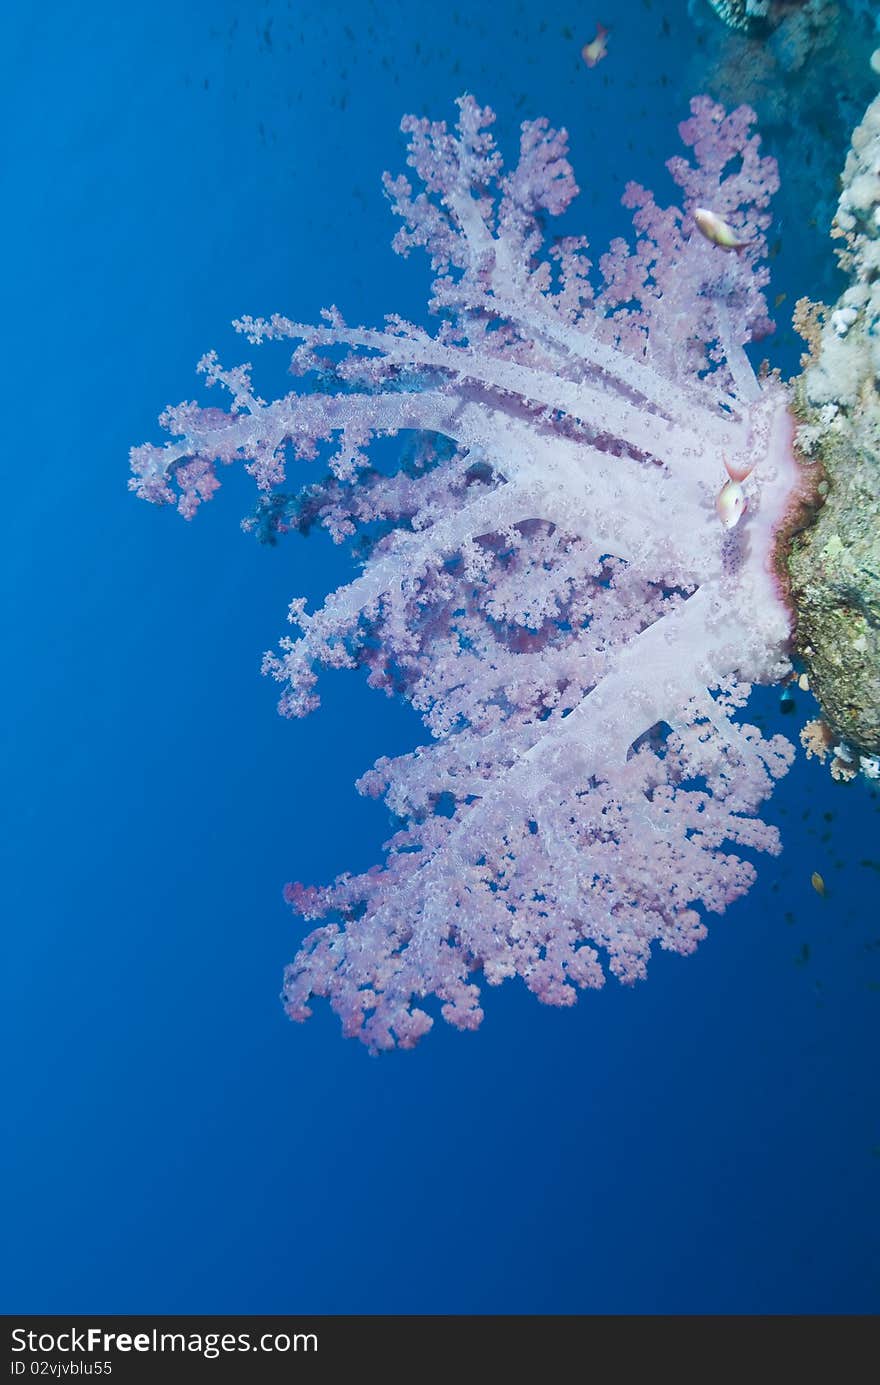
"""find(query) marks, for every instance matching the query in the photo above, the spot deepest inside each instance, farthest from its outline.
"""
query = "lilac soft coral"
(546, 577)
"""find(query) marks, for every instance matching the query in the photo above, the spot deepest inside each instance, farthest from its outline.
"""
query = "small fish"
(730, 504)
(786, 702)
(594, 52)
(818, 884)
(717, 231)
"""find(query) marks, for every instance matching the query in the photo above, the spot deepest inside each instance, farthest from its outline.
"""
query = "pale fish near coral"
(716, 230)
(551, 587)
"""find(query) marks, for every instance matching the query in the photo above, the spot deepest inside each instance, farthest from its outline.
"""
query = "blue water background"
(705, 1141)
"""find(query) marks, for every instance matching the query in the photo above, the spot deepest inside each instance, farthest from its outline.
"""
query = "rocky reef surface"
(834, 564)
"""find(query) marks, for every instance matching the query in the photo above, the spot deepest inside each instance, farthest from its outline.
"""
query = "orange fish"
(594, 52)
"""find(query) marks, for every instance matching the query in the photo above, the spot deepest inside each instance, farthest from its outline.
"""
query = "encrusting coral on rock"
(835, 564)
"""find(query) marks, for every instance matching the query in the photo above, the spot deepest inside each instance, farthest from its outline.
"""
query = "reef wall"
(835, 564)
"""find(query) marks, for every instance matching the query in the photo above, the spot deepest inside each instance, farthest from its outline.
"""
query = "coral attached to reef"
(560, 580)
(755, 17)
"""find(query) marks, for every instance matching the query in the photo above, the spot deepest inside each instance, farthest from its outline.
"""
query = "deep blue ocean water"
(707, 1141)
